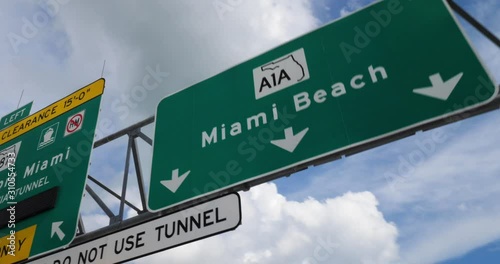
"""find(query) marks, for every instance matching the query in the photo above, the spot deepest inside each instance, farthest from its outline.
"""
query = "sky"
(377, 206)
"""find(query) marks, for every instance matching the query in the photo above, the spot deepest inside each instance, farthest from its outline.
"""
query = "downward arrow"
(291, 141)
(439, 89)
(56, 229)
(176, 180)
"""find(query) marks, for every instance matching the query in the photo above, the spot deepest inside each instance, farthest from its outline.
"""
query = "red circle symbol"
(74, 123)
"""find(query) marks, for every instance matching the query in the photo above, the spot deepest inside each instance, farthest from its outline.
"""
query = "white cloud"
(346, 229)
(95, 221)
(453, 238)
(351, 6)
(449, 195)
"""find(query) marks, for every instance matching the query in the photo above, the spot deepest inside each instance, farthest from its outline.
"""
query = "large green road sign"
(388, 68)
(44, 162)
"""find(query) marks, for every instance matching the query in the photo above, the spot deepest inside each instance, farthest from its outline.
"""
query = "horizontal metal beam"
(474, 22)
(125, 131)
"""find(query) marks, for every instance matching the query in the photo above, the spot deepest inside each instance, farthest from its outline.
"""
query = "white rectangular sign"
(204, 220)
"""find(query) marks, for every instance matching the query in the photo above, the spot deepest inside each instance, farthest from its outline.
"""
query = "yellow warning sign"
(16, 246)
(54, 110)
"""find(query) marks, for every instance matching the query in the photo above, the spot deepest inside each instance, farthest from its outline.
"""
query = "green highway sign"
(44, 161)
(388, 68)
(15, 116)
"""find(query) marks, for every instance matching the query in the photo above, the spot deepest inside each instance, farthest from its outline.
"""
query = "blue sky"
(443, 210)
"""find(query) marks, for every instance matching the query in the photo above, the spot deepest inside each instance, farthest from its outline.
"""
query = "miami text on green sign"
(388, 68)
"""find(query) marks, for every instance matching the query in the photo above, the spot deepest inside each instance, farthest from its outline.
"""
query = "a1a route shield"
(386, 69)
(44, 161)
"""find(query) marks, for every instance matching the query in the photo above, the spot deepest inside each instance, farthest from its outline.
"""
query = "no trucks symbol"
(74, 123)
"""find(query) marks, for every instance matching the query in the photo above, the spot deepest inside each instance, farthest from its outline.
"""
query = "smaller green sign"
(15, 116)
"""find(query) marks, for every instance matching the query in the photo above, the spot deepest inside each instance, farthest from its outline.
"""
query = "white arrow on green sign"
(388, 68)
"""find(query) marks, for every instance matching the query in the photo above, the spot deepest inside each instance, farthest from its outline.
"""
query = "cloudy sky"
(366, 208)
